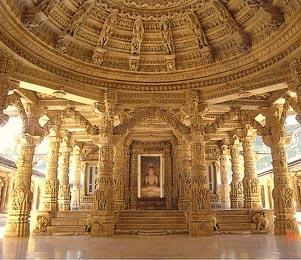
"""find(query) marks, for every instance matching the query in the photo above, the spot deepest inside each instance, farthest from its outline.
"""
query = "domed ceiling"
(152, 43)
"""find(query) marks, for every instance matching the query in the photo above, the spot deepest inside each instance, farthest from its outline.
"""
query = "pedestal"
(102, 226)
(151, 203)
(201, 225)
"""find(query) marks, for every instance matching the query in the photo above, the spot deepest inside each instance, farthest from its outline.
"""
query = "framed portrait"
(150, 176)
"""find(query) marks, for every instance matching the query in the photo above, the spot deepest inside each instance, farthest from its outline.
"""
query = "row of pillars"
(56, 194)
(244, 190)
(199, 213)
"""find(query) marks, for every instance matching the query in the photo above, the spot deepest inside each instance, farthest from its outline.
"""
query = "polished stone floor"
(139, 247)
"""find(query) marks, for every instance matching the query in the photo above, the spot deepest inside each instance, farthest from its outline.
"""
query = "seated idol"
(151, 187)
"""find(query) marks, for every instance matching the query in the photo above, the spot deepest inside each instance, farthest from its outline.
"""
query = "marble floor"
(146, 247)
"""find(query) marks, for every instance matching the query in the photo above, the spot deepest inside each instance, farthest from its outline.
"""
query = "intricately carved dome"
(179, 43)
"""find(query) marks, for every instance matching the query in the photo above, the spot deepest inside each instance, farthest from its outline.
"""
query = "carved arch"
(71, 113)
(142, 113)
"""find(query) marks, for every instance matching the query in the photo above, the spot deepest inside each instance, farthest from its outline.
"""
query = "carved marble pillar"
(20, 201)
(184, 169)
(200, 219)
(250, 181)
(217, 166)
(83, 180)
(127, 171)
(119, 176)
(103, 216)
(224, 188)
(4, 192)
(64, 186)
(51, 184)
(75, 194)
(236, 193)
(283, 193)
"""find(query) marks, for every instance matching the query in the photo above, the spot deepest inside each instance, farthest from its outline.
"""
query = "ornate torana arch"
(143, 113)
(71, 113)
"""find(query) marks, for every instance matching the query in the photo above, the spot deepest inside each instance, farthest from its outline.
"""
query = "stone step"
(233, 212)
(72, 214)
(151, 232)
(152, 220)
(68, 221)
(151, 227)
(237, 227)
(233, 219)
(151, 213)
(66, 229)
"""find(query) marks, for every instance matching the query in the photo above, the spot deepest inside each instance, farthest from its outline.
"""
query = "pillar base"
(201, 225)
(75, 199)
(252, 203)
(237, 203)
(103, 226)
(64, 205)
(285, 226)
(17, 225)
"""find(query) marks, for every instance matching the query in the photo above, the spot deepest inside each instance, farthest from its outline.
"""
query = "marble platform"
(151, 247)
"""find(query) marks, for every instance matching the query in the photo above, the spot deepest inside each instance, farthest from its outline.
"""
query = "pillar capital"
(234, 141)
(66, 142)
(271, 140)
(224, 151)
(33, 114)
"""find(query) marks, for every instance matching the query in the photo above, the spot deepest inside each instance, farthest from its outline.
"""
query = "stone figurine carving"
(261, 222)
(225, 17)
(47, 5)
(89, 225)
(79, 17)
(166, 36)
(107, 29)
(197, 29)
(138, 31)
(42, 223)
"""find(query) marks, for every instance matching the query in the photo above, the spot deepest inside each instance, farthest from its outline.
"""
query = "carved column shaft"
(250, 181)
(283, 194)
(236, 193)
(184, 168)
(75, 197)
(119, 176)
(51, 183)
(200, 223)
(103, 194)
(17, 223)
(64, 186)
(224, 175)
